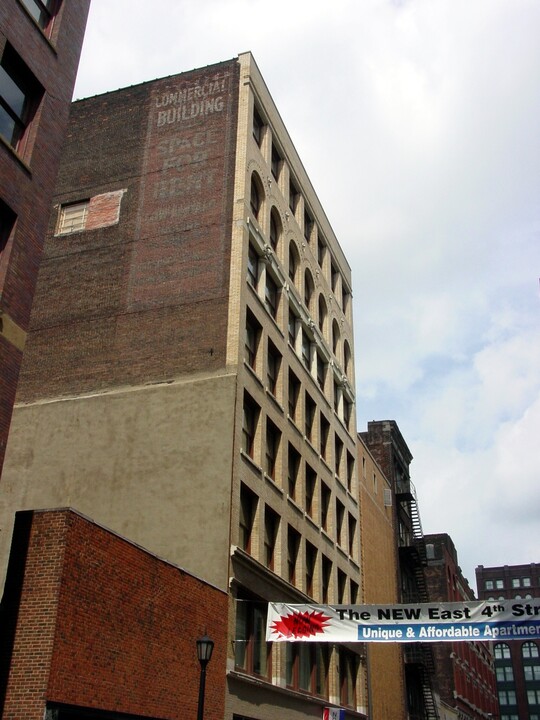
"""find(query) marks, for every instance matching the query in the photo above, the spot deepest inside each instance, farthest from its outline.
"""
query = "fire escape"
(419, 661)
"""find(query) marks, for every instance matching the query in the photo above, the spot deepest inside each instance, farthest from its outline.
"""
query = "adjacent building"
(40, 44)
(392, 455)
(189, 375)
(386, 671)
(92, 623)
(464, 671)
(517, 663)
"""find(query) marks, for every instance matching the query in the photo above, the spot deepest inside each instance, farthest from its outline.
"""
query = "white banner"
(420, 622)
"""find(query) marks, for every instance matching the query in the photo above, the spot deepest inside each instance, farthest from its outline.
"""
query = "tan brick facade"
(198, 354)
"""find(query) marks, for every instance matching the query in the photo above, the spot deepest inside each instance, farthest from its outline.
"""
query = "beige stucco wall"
(135, 461)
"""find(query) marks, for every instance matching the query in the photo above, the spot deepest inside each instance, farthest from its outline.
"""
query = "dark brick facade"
(27, 175)
(464, 670)
(93, 621)
(144, 299)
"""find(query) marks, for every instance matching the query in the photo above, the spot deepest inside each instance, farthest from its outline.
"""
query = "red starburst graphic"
(300, 625)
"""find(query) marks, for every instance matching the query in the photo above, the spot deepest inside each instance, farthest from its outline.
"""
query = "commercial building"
(517, 663)
(40, 44)
(189, 375)
(92, 623)
(392, 455)
(464, 671)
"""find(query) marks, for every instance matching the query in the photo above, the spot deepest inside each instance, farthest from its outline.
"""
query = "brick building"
(40, 44)
(464, 670)
(188, 380)
(94, 626)
(387, 692)
(517, 663)
(389, 450)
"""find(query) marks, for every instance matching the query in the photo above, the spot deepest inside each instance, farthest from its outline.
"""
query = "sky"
(418, 122)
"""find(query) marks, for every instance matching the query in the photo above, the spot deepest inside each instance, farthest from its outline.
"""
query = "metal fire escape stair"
(423, 654)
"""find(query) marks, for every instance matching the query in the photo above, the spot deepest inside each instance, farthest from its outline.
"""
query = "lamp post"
(205, 647)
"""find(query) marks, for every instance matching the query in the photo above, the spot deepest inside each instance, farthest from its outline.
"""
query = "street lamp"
(205, 647)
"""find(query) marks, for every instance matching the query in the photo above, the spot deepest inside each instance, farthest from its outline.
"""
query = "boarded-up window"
(98, 212)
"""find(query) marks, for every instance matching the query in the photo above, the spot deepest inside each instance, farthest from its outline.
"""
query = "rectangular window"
(249, 425)
(516, 582)
(348, 671)
(248, 505)
(252, 652)
(311, 482)
(252, 267)
(308, 225)
(310, 410)
(326, 577)
(504, 673)
(321, 251)
(325, 505)
(253, 334)
(294, 196)
(272, 369)
(347, 413)
(7, 221)
(292, 471)
(334, 272)
(276, 162)
(306, 350)
(20, 95)
(338, 453)
(489, 585)
(324, 432)
(294, 392)
(271, 296)
(527, 582)
(321, 371)
(258, 126)
(273, 437)
(311, 560)
(350, 471)
(342, 585)
(306, 667)
(354, 592)
(271, 526)
(41, 10)
(352, 535)
(72, 218)
(340, 515)
(499, 584)
(293, 546)
(293, 328)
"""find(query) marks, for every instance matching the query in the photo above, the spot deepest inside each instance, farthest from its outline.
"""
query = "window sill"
(15, 155)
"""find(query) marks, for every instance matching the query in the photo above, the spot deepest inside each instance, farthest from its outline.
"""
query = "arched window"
(275, 228)
(294, 261)
(323, 312)
(502, 651)
(529, 650)
(309, 287)
(256, 196)
(335, 337)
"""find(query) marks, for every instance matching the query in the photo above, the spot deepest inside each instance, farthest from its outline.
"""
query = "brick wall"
(102, 624)
(27, 180)
(145, 299)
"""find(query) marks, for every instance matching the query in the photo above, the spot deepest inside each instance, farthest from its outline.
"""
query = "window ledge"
(15, 155)
(250, 461)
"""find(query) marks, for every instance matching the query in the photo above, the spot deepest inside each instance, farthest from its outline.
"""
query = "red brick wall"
(26, 184)
(146, 299)
(103, 624)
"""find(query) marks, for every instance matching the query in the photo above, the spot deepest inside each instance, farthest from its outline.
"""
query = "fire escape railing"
(420, 655)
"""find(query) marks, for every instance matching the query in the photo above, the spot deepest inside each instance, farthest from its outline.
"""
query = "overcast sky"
(418, 122)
